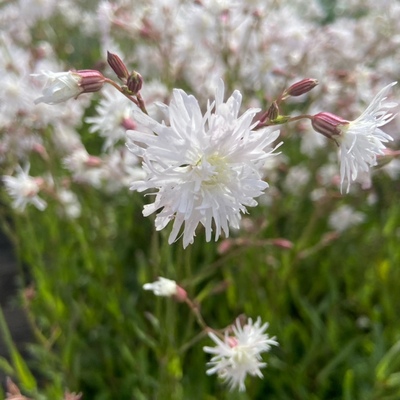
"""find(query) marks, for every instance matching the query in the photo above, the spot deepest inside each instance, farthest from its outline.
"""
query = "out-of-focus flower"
(345, 217)
(361, 140)
(112, 117)
(240, 354)
(166, 288)
(162, 287)
(70, 203)
(72, 396)
(13, 392)
(84, 167)
(207, 169)
(62, 86)
(24, 189)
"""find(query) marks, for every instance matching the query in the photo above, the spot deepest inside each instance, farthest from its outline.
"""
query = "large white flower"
(207, 169)
(361, 140)
(240, 354)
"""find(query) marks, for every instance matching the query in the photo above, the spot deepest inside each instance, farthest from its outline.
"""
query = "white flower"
(24, 189)
(362, 139)
(163, 287)
(207, 169)
(239, 355)
(60, 86)
(111, 112)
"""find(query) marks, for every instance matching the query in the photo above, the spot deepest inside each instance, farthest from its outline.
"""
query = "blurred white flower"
(162, 287)
(24, 189)
(345, 217)
(207, 169)
(112, 112)
(240, 354)
(84, 167)
(70, 203)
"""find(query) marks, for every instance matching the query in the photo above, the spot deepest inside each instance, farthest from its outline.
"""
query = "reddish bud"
(117, 66)
(134, 82)
(90, 80)
(301, 87)
(328, 124)
(180, 294)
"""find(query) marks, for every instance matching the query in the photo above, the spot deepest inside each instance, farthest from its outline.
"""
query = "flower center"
(213, 170)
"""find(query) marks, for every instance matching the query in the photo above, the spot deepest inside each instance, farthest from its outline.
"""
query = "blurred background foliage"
(331, 298)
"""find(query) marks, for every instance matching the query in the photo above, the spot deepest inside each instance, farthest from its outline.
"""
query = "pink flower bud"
(180, 294)
(328, 124)
(90, 80)
(301, 87)
(117, 66)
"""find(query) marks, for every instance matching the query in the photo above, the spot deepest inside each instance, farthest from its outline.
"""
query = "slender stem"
(119, 88)
(197, 314)
(305, 116)
(141, 103)
(285, 120)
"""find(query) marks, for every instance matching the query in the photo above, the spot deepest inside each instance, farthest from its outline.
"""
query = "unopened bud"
(180, 294)
(117, 66)
(301, 87)
(328, 124)
(134, 82)
(90, 80)
(273, 112)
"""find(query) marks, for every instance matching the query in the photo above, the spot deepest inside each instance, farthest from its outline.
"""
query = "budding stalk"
(301, 87)
(118, 66)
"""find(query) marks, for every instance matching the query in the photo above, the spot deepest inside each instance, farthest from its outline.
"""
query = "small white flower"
(207, 169)
(239, 355)
(60, 87)
(163, 287)
(24, 189)
(362, 139)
